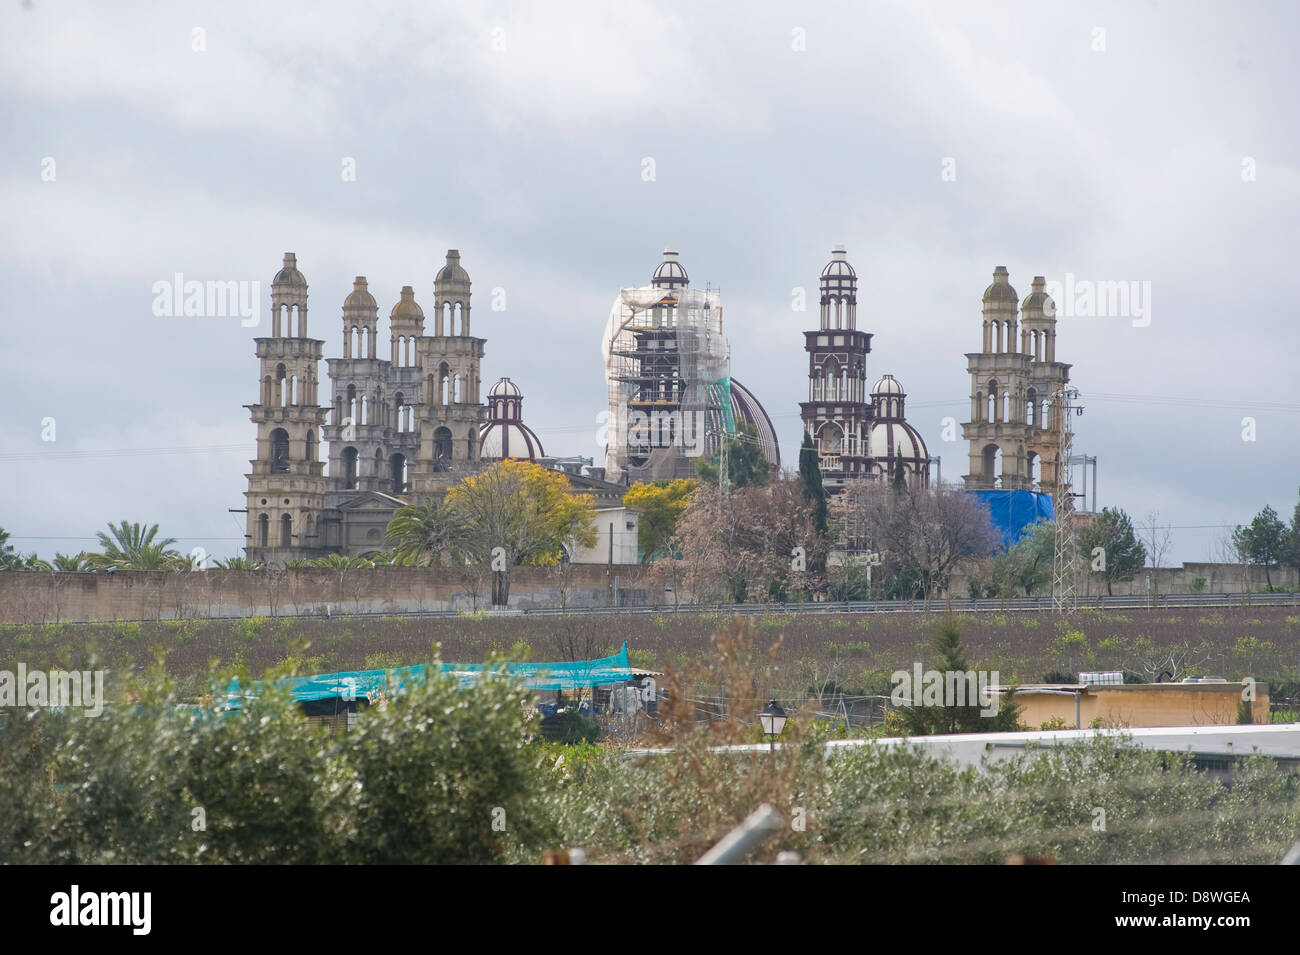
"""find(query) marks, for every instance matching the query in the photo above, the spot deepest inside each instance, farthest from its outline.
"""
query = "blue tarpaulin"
(369, 684)
(1013, 511)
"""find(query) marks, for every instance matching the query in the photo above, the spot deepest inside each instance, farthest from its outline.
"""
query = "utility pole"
(1065, 556)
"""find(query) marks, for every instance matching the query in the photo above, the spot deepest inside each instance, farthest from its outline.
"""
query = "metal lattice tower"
(1065, 558)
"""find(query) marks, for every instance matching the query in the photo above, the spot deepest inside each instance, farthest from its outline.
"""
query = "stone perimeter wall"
(36, 597)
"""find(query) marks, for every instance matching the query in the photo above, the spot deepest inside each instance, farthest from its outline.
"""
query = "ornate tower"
(356, 435)
(1013, 431)
(406, 327)
(286, 487)
(451, 412)
(837, 414)
(1047, 377)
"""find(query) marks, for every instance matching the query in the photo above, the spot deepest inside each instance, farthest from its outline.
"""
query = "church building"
(398, 429)
(858, 434)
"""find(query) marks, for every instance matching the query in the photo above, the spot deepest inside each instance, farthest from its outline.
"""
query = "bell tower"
(837, 414)
(451, 412)
(286, 487)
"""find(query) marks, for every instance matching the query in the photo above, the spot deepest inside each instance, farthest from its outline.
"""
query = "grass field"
(854, 651)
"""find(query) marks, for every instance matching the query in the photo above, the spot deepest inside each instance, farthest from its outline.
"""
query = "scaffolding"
(665, 363)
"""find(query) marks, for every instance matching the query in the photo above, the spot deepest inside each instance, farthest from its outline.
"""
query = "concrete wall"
(1219, 579)
(1144, 704)
(31, 597)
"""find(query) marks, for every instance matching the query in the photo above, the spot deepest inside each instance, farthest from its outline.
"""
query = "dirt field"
(855, 651)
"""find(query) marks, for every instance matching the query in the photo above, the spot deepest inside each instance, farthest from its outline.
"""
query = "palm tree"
(12, 561)
(422, 533)
(72, 563)
(133, 547)
(239, 563)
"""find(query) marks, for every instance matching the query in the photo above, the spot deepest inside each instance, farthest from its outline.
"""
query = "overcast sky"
(1145, 142)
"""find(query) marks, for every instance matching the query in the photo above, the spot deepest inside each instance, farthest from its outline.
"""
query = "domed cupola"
(839, 292)
(1001, 292)
(670, 274)
(505, 435)
(289, 276)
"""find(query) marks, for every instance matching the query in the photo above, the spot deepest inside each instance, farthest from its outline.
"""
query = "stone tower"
(356, 433)
(450, 411)
(1014, 431)
(286, 487)
(406, 327)
(837, 414)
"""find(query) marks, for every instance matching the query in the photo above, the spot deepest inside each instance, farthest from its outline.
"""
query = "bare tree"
(1156, 538)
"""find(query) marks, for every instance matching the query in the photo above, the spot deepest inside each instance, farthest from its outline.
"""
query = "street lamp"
(773, 719)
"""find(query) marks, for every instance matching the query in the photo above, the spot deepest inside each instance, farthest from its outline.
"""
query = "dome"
(887, 385)
(1001, 291)
(745, 407)
(838, 266)
(360, 297)
(1038, 299)
(505, 435)
(499, 441)
(289, 275)
(406, 306)
(452, 272)
(670, 273)
(888, 440)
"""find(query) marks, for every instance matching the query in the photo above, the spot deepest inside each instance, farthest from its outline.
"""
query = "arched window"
(311, 446)
(279, 451)
(458, 319)
(397, 471)
(444, 383)
(442, 450)
(286, 531)
(1031, 400)
(281, 397)
(398, 402)
(993, 400)
(352, 403)
(263, 530)
(379, 464)
(350, 468)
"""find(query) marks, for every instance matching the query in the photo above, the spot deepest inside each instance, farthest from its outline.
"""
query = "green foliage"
(660, 504)
(814, 492)
(1264, 542)
(1123, 553)
(919, 719)
(424, 534)
(747, 466)
(569, 727)
(133, 546)
(421, 779)
(1027, 567)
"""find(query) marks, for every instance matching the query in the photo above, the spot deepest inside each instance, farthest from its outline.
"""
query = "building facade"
(1016, 426)
(859, 434)
(398, 429)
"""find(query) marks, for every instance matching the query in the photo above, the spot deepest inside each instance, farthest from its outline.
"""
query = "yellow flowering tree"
(660, 505)
(517, 512)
